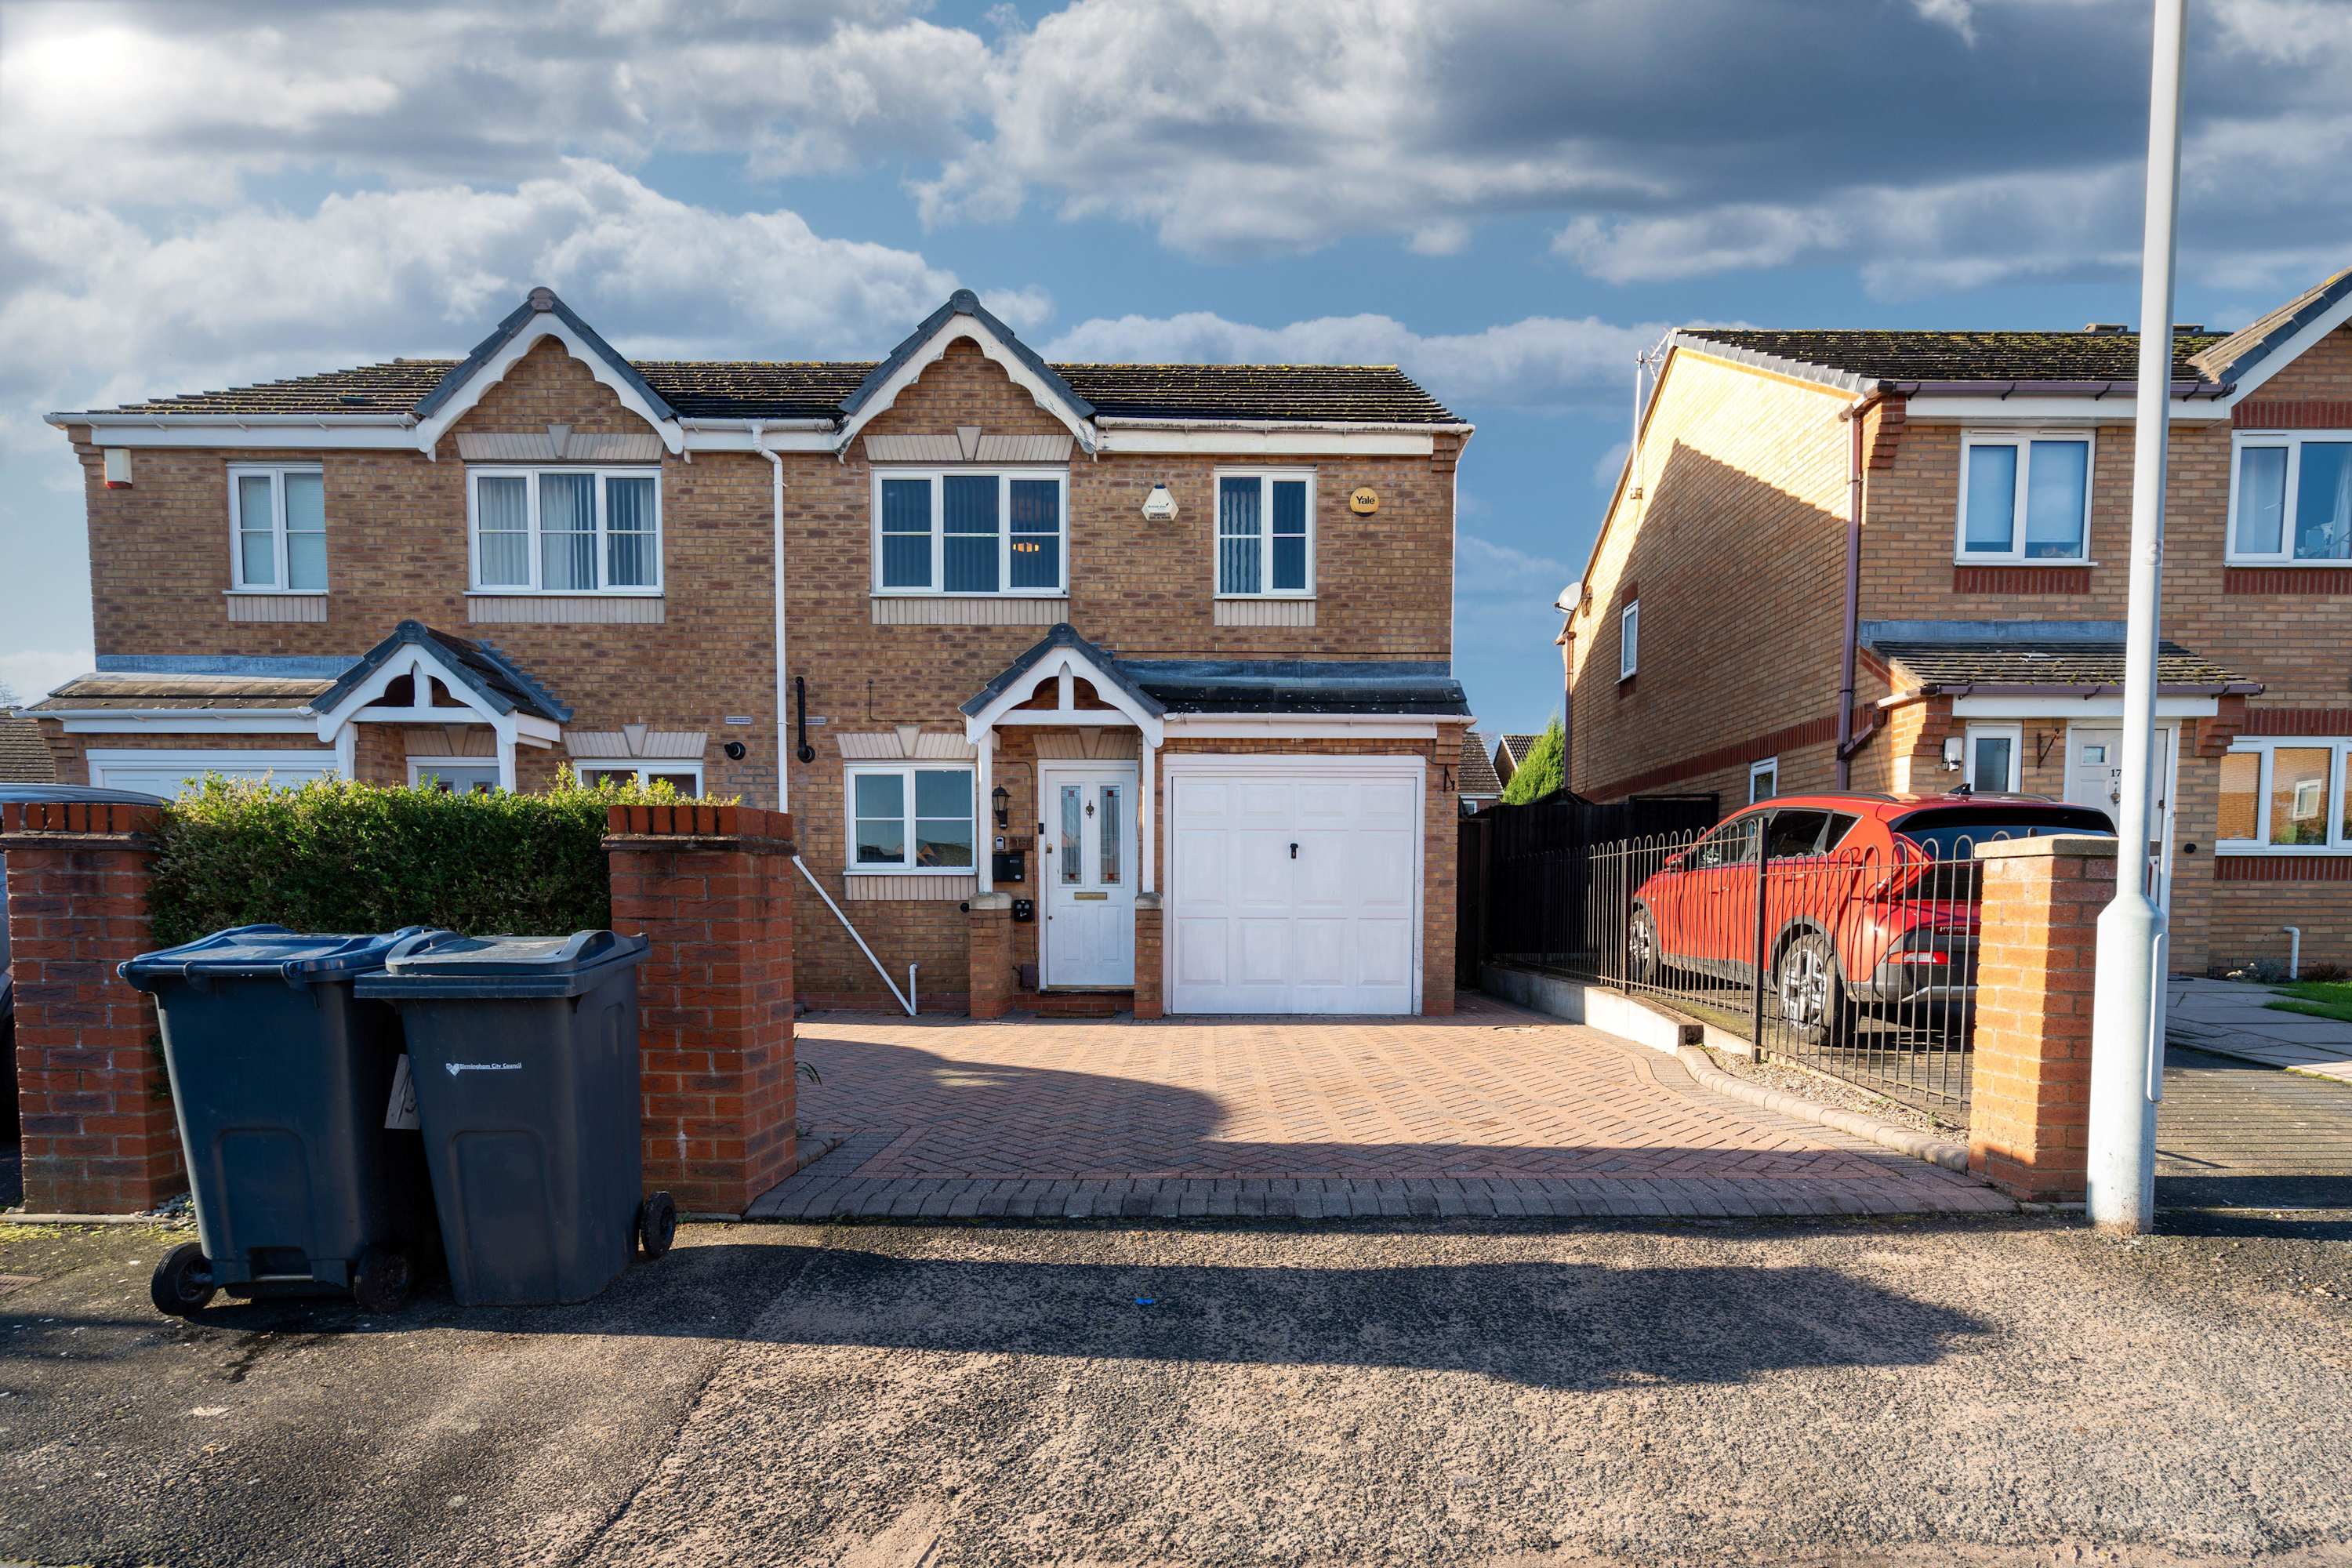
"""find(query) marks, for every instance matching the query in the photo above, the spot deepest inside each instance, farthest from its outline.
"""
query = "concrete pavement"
(2232, 1018)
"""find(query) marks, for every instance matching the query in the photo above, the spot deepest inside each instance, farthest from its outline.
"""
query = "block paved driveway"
(1493, 1111)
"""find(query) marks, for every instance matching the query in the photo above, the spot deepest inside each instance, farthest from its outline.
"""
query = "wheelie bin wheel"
(379, 1279)
(656, 1224)
(182, 1281)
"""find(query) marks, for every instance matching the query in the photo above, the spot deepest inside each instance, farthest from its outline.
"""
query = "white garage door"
(164, 773)
(1294, 884)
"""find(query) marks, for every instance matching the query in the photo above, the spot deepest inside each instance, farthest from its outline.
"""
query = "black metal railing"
(1859, 963)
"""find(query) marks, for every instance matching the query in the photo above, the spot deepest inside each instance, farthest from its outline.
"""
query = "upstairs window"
(2291, 499)
(2024, 497)
(1265, 535)
(964, 531)
(1629, 640)
(277, 530)
(566, 531)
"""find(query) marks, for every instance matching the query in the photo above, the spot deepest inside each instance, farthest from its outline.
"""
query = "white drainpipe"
(776, 546)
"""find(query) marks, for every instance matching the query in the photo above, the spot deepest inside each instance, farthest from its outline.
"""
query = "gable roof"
(1476, 776)
(539, 302)
(1516, 747)
(1863, 358)
(499, 681)
(827, 390)
(2252, 346)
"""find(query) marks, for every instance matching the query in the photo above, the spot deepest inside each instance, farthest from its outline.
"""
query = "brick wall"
(1735, 550)
(712, 888)
(98, 1134)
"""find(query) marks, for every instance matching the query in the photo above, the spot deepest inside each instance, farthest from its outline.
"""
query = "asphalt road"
(1871, 1391)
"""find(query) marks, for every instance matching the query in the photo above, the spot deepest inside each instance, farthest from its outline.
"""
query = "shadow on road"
(1543, 1324)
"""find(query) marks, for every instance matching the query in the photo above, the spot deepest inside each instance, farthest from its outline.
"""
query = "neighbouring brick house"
(1986, 477)
(1039, 656)
(1476, 784)
(1510, 750)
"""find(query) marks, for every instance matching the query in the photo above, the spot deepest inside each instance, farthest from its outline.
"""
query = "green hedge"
(337, 856)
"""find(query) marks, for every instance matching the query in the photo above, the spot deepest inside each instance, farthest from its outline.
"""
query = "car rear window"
(1949, 832)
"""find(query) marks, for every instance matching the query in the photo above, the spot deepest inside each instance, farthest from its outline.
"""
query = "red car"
(1869, 902)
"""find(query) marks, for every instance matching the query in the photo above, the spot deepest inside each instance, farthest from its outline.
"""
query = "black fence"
(1532, 872)
(1856, 962)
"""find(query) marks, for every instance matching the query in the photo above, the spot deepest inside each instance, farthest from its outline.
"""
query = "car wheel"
(182, 1281)
(1808, 993)
(1643, 965)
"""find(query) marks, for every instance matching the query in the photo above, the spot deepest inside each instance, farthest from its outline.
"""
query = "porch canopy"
(414, 677)
(1067, 680)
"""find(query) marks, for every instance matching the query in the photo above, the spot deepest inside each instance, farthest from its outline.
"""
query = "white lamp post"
(2127, 1017)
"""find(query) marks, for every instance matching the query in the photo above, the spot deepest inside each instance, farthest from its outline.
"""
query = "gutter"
(2180, 391)
(2088, 691)
(109, 418)
(1340, 426)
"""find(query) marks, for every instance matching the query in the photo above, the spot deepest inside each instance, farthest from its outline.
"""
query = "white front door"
(1294, 884)
(2095, 776)
(1087, 861)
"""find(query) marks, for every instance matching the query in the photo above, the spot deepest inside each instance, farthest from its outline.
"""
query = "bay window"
(2024, 496)
(277, 530)
(966, 532)
(908, 816)
(2287, 794)
(2291, 499)
(1265, 534)
(565, 530)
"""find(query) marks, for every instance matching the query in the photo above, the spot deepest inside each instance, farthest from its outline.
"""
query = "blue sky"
(1506, 196)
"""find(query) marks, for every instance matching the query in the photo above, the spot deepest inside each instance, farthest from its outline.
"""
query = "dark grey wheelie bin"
(525, 1053)
(283, 1081)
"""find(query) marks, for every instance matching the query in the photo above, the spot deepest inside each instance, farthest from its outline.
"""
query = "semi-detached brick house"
(1169, 638)
(1975, 488)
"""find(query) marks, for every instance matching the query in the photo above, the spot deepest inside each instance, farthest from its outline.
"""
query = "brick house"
(1969, 494)
(1081, 676)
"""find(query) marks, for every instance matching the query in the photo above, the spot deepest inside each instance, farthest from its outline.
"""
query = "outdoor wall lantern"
(1001, 799)
(1954, 753)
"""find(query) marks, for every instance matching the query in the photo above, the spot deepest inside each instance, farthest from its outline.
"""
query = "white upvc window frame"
(1266, 478)
(2339, 770)
(422, 768)
(532, 473)
(2023, 440)
(2014, 733)
(1004, 476)
(905, 865)
(2294, 441)
(1629, 640)
(1768, 766)
(639, 768)
(275, 473)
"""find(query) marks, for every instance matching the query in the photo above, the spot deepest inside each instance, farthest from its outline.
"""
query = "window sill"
(1234, 610)
(566, 592)
(557, 609)
(274, 593)
(2037, 562)
(902, 609)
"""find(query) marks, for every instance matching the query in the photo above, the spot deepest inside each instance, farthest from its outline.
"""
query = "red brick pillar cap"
(1146, 900)
(2089, 846)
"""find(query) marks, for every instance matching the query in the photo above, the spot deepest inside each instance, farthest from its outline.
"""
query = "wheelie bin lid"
(495, 967)
(258, 950)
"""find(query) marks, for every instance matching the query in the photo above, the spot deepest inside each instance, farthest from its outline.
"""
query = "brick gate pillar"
(711, 888)
(96, 1101)
(2029, 1121)
(1150, 1001)
(992, 955)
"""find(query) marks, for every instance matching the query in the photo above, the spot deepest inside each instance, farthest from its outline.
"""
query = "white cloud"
(1484, 569)
(1722, 239)
(1610, 464)
(1959, 15)
(108, 310)
(1540, 362)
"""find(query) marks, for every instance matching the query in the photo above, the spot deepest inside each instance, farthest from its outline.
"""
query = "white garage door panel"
(167, 773)
(1334, 927)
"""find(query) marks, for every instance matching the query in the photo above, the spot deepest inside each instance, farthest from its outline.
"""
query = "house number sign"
(1363, 500)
